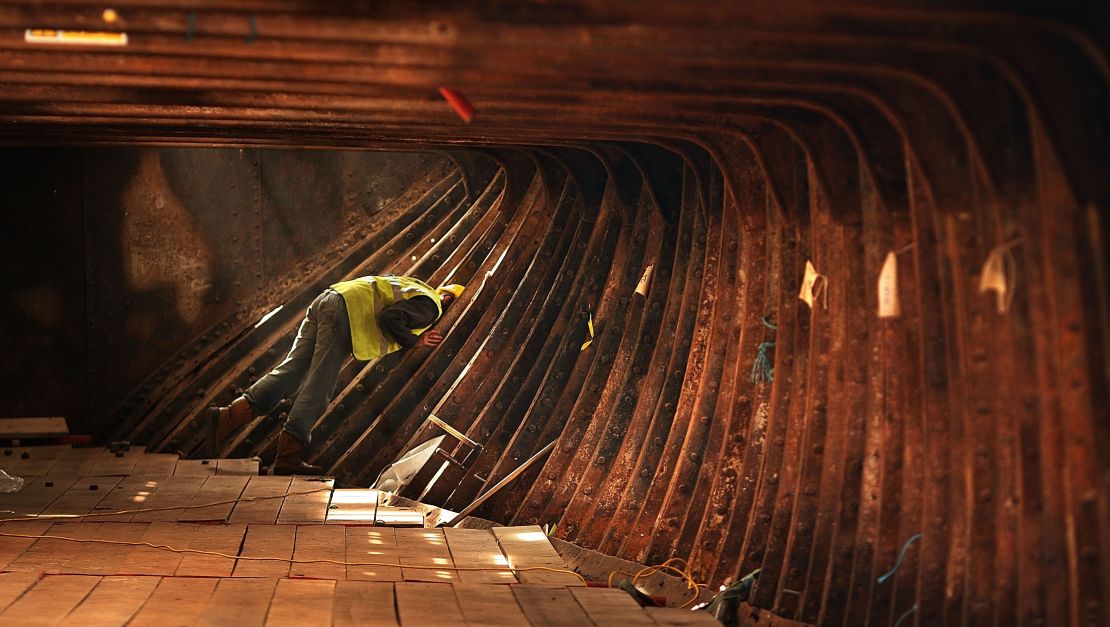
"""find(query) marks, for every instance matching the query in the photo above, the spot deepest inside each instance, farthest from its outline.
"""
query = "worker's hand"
(430, 338)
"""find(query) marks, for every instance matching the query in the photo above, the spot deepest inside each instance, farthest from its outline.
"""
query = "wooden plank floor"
(208, 542)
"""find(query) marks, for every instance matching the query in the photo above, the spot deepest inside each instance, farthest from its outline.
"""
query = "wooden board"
(13, 585)
(427, 604)
(83, 496)
(550, 605)
(238, 467)
(266, 541)
(176, 601)
(112, 602)
(98, 558)
(225, 539)
(37, 495)
(144, 560)
(372, 544)
(49, 427)
(308, 501)
(53, 555)
(353, 506)
(219, 494)
(265, 507)
(387, 516)
(48, 601)
(483, 604)
(112, 466)
(172, 494)
(363, 603)
(238, 602)
(527, 547)
(425, 547)
(12, 548)
(477, 548)
(130, 493)
(610, 606)
(301, 602)
(195, 468)
(315, 542)
(156, 464)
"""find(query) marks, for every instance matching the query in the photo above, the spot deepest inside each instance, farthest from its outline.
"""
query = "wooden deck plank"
(156, 464)
(483, 604)
(421, 603)
(112, 466)
(238, 603)
(319, 542)
(130, 493)
(550, 605)
(145, 560)
(308, 501)
(301, 602)
(425, 547)
(363, 603)
(13, 585)
(353, 506)
(266, 541)
(675, 617)
(12, 548)
(372, 544)
(477, 548)
(224, 539)
(38, 460)
(195, 467)
(44, 427)
(610, 607)
(76, 462)
(527, 547)
(237, 467)
(112, 602)
(176, 601)
(94, 558)
(53, 555)
(49, 600)
(216, 489)
(175, 492)
(265, 508)
(83, 496)
(37, 495)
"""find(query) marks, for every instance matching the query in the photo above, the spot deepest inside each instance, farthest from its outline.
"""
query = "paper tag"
(810, 289)
(997, 275)
(889, 304)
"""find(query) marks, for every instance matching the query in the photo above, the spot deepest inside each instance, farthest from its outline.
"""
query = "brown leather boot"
(223, 421)
(289, 460)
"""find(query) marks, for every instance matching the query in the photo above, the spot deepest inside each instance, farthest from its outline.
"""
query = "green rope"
(763, 370)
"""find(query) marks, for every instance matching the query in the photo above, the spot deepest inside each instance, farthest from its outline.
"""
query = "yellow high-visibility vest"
(366, 297)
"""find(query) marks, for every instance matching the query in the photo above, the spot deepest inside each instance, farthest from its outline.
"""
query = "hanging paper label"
(889, 304)
(810, 287)
(645, 280)
(999, 273)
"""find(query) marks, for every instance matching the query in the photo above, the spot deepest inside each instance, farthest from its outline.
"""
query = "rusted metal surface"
(728, 145)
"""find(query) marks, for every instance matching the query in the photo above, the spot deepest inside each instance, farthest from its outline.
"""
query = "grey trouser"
(323, 343)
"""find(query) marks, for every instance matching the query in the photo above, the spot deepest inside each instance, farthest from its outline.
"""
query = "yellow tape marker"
(590, 325)
(74, 37)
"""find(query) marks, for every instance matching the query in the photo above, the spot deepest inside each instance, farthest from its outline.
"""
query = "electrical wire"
(666, 566)
(165, 547)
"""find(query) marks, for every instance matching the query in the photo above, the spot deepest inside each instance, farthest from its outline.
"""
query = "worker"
(368, 317)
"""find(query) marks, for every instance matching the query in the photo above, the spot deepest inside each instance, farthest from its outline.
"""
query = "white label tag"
(889, 304)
